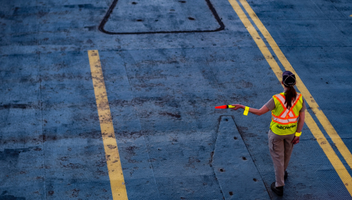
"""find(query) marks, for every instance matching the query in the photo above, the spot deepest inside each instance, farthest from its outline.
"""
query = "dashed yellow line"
(322, 141)
(117, 180)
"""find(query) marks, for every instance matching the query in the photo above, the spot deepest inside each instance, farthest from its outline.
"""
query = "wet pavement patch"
(21, 106)
(124, 17)
(9, 155)
(11, 197)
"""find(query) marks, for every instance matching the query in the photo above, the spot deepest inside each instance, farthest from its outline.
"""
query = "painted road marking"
(113, 162)
(330, 130)
(322, 141)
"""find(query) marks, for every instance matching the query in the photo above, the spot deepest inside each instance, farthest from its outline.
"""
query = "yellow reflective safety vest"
(283, 120)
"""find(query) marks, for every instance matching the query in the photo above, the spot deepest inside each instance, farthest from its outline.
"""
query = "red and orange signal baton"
(224, 107)
(246, 109)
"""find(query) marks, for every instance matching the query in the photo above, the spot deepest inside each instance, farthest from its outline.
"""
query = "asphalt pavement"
(135, 118)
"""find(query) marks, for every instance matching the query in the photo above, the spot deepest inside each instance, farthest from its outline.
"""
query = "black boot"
(279, 191)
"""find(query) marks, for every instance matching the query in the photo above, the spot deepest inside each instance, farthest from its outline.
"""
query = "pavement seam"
(213, 153)
(261, 177)
(140, 126)
(114, 3)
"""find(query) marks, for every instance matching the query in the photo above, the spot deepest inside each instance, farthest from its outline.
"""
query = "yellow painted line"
(117, 180)
(330, 153)
(324, 144)
(330, 130)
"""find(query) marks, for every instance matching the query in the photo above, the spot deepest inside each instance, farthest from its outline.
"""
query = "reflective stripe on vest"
(284, 121)
(287, 116)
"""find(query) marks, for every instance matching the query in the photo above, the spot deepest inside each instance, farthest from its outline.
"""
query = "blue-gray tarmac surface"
(166, 65)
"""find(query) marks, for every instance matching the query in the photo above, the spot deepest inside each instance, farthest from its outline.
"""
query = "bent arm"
(302, 116)
(255, 111)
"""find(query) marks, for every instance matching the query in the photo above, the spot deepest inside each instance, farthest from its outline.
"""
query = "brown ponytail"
(289, 80)
(290, 96)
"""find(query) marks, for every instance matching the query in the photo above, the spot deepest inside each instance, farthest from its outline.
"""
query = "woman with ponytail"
(288, 113)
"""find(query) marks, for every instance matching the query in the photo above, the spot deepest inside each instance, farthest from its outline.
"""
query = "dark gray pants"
(280, 147)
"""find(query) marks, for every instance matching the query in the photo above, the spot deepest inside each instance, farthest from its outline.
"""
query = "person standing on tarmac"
(288, 113)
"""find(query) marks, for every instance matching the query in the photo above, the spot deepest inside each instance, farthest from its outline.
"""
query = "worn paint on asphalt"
(162, 89)
(112, 155)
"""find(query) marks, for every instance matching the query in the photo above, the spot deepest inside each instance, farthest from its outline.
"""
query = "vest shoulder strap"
(286, 113)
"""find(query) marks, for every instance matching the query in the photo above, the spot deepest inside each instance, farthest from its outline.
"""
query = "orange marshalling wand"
(224, 107)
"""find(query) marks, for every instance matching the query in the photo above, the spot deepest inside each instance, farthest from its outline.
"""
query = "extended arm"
(255, 111)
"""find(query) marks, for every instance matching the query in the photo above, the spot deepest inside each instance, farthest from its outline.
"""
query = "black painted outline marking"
(113, 5)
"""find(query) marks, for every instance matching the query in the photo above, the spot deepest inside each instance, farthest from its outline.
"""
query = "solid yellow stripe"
(330, 130)
(324, 144)
(117, 180)
(257, 39)
(330, 153)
